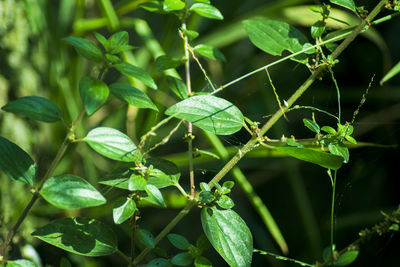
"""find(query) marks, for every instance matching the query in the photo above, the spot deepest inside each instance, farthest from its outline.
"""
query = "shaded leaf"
(182, 259)
(93, 92)
(136, 72)
(125, 211)
(118, 42)
(68, 191)
(346, 258)
(82, 236)
(159, 262)
(207, 10)
(165, 62)
(391, 73)
(317, 29)
(132, 96)
(206, 197)
(144, 237)
(190, 34)
(339, 149)
(179, 241)
(209, 52)
(178, 87)
(202, 261)
(154, 6)
(85, 48)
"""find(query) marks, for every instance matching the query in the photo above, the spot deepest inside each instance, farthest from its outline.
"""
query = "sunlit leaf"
(154, 196)
(349, 4)
(93, 92)
(339, 149)
(317, 29)
(136, 72)
(312, 125)
(172, 5)
(132, 96)
(207, 10)
(177, 86)
(202, 261)
(21, 263)
(85, 48)
(209, 52)
(225, 202)
(165, 62)
(125, 211)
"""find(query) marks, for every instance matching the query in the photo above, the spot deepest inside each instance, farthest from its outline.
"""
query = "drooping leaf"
(349, 4)
(83, 236)
(207, 10)
(273, 37)
(137, 73)
(165, 62)
(322, 159)
(178, 87)
(70, 192)
(210, 113)
(312, 125)
(339, 149)
(182, 259)
(209, 52)
(229, 235)
(125, 211)
(144, 237)
(112, 144)
(16, 163)
(179, 241)
(34, 107)
(21, 263)
(346, 258)
(132, 96)
(93, 92)
(154, 196)
(172, 5)
(391, 73)
(85, 48)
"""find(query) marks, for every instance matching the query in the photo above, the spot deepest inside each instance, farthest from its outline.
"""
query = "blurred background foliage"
(34, 61)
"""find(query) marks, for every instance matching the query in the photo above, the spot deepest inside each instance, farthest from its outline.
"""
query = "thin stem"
(338, 94)
(332, 210)
(124, 256)
(180, 188)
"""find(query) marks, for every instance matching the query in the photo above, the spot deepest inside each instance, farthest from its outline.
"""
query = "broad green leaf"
(112, 144)
(209, 52)
(339, 149)
(346, 258)
(82, 236)
(165, 173)
(159, 262)
(329, 129)
(118, 42)
(322, 159)
(70, 192)
(94, 94)
(172, 5)
(125, 211)
(16, 163)
(132, 96)
(229, 235)
(207, 10)
(154, 196)
(202, 261)
(391, 73)
(122, 183)
(312, 125)
(144, 237)
(137, 73)
(178, 87)
(210, 113)
(273, 37)
(34, 107)
(225, 202)
(349, 4)
(21, 263)
(165, 62)
(85, 48)
(136, 182)
(317, 29)
(182, 259)
(179, 241)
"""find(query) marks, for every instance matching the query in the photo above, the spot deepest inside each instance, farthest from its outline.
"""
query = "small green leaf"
(210, 113)
(165, 62)
(159, 262)
(317, 29)
(94, 94)
(172, 5)
(164, 173)
(291, 142)
(206, 197)
(21, 263)
(312, 125)
(153, 6)
(101, 39)
(339, 149)
(225, 202)
(350, 139)
(178, 87)
(125, 211)
(144, 237)
(118, 42)
(16, 163)
(322, 159)
(204, 186)
(190, 34)
(346, 258)
(137, 73)
(154, 195)
(349, 4)
(207, 153)
(207, 10)
(178, 241)
(391, 73)
(70, 192)
(85, 48)
(204, 1)
(132, 96)
(182, 259)
(329, 129)
(273, 37)
(34, 107)
(112, 58)
(202, 261)
(209, 52)
(82, 236)
(112, 144)
(229, 235)
(228, 184)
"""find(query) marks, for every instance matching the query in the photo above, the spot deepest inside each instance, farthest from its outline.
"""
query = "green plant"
(142, 176)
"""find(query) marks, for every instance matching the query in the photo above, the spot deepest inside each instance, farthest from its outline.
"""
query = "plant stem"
(333, 212)
(124, 256)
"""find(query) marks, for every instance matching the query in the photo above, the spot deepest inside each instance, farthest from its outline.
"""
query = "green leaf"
(137, 73)
(172, 5)
(391, 73)
(178, 241)
(64, 262)
(204, 186)
(291, 142)
(16, 163)
(101, 39)
(85, 48)
(206, 197)
(118, 42)
(144, 237)
(350, 139)
(182, 259)
(225, 202)
(207, 10)
(210, 113)
(209, 52)
(228, 184)
(207, 153)
(164, 173)
(329, 129)
(70, 192)
(132, 96)
(154, 195)
(229, 235)
(94, 94)
(82, 236)
(136, 182)
(202, 261)
(322, 159)
(190, 34)
(317, 29)
(34, 107)
(112, 144)
(349, 4)
(202, 243)
(312, 125)
(165, 62)
(346, 258)
(153, 6)
(125, 211)
(339, 149)
(273, 37)
(177, 86)
(21, 263)
(159, 262)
